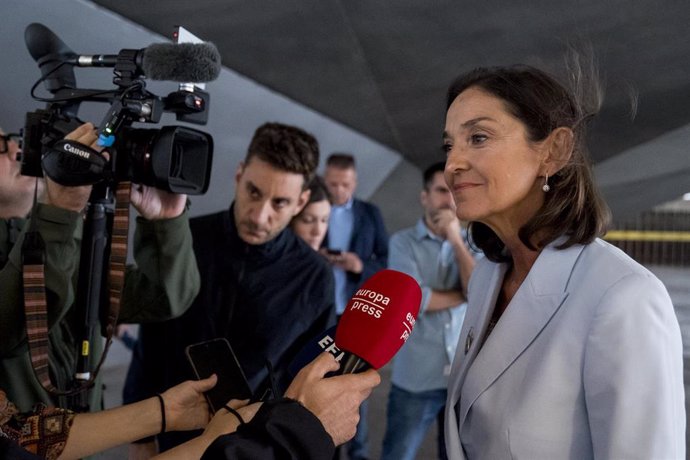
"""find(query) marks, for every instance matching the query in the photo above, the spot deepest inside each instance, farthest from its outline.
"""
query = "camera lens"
(173, 158)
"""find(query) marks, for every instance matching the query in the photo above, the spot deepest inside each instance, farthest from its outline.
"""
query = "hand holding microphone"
(334, 401)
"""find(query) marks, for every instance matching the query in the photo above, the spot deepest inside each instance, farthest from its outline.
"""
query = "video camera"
(173, 158)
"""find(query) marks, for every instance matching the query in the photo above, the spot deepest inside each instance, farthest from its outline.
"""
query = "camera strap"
(36, 306)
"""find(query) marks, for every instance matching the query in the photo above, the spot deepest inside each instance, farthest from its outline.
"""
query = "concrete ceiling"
(382, 67)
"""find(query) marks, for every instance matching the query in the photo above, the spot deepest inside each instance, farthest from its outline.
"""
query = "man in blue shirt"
(356, 248)
(356, 235)
(435, 254)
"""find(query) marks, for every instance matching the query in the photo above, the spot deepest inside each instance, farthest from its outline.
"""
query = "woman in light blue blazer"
(570, 349)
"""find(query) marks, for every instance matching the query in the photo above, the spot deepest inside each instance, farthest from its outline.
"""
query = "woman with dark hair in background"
(311, 224)
(570, 349)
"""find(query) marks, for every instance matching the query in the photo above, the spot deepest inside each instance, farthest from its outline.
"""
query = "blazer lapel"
(534, 304)
(475, 323)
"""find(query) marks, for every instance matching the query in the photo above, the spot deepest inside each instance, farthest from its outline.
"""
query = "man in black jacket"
(262, 288)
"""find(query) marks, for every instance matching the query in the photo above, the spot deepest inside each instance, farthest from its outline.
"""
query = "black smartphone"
(334, 252)
(216, 357)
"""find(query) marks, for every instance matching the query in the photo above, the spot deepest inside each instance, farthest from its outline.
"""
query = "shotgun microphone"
(183, 62)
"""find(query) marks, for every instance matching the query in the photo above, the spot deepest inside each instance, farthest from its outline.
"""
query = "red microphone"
(378, 320)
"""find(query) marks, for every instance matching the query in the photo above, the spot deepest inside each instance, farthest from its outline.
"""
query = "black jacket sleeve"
(9, 449)
(281, 429)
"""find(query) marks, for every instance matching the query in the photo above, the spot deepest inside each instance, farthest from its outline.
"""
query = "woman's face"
(492, 168)
(312, 223)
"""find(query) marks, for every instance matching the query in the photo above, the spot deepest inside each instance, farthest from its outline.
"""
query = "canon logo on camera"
(76, 151)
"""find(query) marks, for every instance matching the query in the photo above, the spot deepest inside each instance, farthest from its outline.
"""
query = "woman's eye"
(478, 138)
(446, 148)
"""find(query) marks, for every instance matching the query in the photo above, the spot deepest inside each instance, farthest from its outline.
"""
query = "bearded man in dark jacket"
(262, 288)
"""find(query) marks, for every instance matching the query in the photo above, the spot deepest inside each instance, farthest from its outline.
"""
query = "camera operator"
(161, 286)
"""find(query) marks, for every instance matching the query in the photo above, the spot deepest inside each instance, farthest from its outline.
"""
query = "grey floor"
(677, 282)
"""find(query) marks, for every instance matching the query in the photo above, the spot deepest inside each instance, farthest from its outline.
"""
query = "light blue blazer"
(586, 362)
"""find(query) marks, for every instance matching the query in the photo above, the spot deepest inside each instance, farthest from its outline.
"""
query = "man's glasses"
(6, 138)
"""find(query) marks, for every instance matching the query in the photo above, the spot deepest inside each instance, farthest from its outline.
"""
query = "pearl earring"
(546, 186)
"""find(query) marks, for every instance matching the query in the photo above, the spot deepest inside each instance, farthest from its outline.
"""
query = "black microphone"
(325, 341)
(183, 62)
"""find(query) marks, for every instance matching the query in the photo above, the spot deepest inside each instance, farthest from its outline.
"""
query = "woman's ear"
(559, 145)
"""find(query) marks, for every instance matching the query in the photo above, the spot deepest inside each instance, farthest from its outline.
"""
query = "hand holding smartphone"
(216, 357)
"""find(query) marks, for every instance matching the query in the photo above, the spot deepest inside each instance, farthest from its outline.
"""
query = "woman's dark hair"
(319, 192)
(573, 206)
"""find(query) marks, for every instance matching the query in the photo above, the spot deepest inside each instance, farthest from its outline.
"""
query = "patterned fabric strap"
(118, 265)
(36, 307)
(37, 321)
(43, 432)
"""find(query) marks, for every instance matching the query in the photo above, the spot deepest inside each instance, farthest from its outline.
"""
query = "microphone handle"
(95, 60)
(352, 364)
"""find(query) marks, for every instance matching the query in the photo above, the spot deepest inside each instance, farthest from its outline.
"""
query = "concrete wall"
(635, 180)
(398, 197)
(646, 175)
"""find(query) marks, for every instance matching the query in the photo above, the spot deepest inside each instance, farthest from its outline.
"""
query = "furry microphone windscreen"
(183, 62)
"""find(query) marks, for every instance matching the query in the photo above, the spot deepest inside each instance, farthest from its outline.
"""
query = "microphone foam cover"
(182, 62)
(380, 316)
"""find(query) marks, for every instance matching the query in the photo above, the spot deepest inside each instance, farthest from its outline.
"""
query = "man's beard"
(256, 231)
